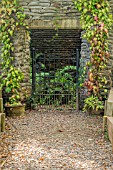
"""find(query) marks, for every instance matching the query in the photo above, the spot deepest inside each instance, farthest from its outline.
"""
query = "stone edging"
(2, 115)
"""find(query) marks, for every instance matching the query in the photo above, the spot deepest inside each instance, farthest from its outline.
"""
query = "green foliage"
(93, 103)
(96, 19)
(31, 102)
(13, 19)
(82, 76)
(58, 89)
(106, 136)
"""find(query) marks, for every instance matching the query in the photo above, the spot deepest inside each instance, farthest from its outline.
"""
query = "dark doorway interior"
(54, 61)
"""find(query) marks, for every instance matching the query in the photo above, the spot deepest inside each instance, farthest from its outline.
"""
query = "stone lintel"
(48, 24)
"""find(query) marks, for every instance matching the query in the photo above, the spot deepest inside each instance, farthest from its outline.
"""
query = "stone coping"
(18, 105)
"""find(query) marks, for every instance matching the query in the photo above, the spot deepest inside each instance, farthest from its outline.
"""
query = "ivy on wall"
(12, 19)
(96, 19)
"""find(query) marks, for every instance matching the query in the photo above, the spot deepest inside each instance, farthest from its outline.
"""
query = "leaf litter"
(55, 140)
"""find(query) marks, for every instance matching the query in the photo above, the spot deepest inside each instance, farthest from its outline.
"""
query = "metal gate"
(55, 62)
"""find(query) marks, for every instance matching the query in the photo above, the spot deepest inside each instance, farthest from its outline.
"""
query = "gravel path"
(55, 140)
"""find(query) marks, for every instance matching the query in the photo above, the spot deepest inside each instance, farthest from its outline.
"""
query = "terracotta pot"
(17, 110)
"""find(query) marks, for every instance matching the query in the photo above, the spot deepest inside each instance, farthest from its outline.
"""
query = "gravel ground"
(55, 140)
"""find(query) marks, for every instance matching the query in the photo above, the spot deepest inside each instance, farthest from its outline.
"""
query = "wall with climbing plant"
(40, 14)
(15, 56)
(66, 14)
(96, 18)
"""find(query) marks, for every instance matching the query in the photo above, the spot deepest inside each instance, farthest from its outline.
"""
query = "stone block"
(109, 111)
(33, 4)
(2, 122)
(1, 105)
(109, 107)
(110, 129)
(105, 107)
(104, 123)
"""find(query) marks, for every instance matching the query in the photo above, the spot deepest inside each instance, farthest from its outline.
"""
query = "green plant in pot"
(12, 83)
(93, 105)
(13, 19)
(13, 106)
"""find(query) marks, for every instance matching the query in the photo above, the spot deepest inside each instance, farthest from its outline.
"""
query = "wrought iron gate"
(55, 63)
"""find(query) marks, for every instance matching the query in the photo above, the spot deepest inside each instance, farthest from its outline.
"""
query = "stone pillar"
(108, 72)
(85, 57)
(22, 60)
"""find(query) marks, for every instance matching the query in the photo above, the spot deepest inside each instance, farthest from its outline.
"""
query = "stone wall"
(43, 14)
(47, 9)
(22, 60)
(85, 57)
(108, 73)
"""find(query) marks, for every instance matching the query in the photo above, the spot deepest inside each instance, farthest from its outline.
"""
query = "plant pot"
(17, 110)
(96, 112)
